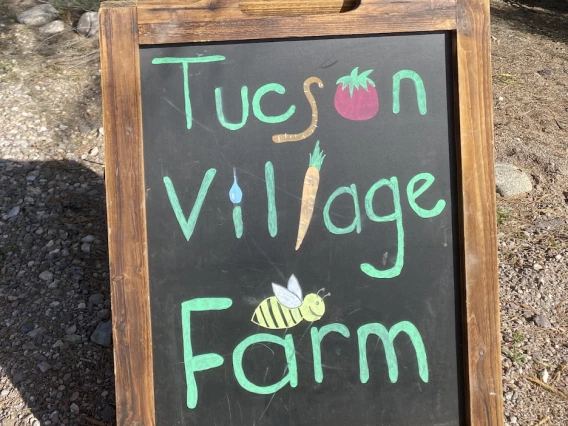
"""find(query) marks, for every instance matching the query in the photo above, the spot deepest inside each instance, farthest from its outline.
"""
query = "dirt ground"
(51, 159)
(530, 87)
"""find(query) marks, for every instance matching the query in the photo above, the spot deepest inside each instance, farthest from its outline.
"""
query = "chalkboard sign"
(294, 222)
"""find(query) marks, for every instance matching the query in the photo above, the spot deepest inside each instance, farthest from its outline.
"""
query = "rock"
(26, 327)
(542, 321)
(537, 267)
(14, 211)
(38, 15)
(107, 413)
(74, 408)
(97, 299)
(58, 344)
(54, 417)
(94, 151)
(81, 305)
(46, 276)
(74, 396)
(544, 375)
(28, 346)
(86, 248)
(71, 330)
(89, 24)
(36, 332)
(52, 28)
(103, 314)
(18, 378)
(102, 334)
(73, 338)
(510, 180)
(44, 366)
(551, 224)
(88, 239)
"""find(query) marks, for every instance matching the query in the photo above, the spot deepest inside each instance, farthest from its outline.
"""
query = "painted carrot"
(311, 184)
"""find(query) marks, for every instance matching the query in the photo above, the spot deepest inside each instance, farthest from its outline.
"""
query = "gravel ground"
(54, 290)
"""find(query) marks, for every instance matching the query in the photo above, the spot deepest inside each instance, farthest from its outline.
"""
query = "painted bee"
(287, 308)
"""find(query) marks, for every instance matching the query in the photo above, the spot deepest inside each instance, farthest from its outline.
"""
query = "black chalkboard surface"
(274, 170)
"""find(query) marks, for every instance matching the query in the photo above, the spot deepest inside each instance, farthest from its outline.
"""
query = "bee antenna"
(320, 290)
(325, 295)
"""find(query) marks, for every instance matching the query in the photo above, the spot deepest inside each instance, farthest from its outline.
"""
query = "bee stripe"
(287, 316)
(276, 313)
(296, 314)
(260, 318)
(267, 316)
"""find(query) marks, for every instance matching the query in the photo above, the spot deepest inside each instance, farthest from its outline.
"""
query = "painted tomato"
(361, 101)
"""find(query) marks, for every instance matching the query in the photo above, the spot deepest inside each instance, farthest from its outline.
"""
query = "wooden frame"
(126, 25)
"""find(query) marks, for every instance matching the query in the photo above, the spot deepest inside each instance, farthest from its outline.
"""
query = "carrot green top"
(356, 80)
(316, 159)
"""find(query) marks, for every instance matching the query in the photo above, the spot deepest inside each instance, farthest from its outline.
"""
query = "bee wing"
(286, 297)
(294, 286)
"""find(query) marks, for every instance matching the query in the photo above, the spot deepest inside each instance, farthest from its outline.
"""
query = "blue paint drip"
(235, 193)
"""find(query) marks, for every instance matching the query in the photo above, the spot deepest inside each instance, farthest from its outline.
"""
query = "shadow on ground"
(54, 293)
(548, 18)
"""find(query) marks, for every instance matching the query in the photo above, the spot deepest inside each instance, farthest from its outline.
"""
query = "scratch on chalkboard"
(324, 66)
(265, 375)
(240, 411)
(329, 264)
(331, 367)
(285, 370)
(230, 413)
(183, 113)
(252, 347)
(276, 268)
(270, 402)
(277, 187)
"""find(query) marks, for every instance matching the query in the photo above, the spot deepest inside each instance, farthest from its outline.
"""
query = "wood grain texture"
(217, 20)
(124, 172)
(481, 308)
(276, 7)
(295, 7)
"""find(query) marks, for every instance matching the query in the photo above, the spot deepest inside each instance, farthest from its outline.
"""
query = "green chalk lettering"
(198, 362)
(270, 193)
(387, 337)
(395, 216)
(317, 337)
(185, 67)
(291, 377)
(188, 225)
(418, 85)
(221, 114)
(271, 87)
(238, 221)
(413, 194)
(356, 224)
